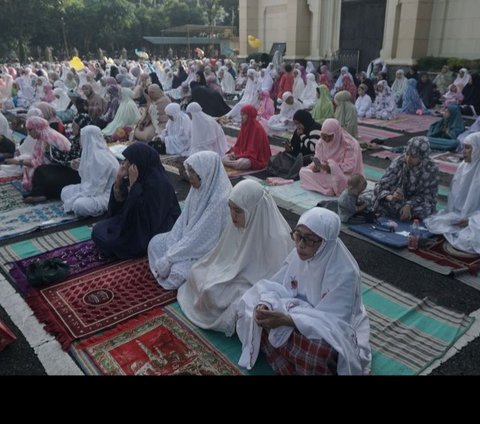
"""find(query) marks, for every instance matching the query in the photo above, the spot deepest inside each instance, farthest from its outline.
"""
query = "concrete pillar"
(325, 32)
(407, 31)
(298, 29)
(248, 23)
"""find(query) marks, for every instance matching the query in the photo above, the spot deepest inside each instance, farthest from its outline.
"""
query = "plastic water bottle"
(414, 235)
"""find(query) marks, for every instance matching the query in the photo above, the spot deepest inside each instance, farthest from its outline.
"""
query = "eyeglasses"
(298, 237)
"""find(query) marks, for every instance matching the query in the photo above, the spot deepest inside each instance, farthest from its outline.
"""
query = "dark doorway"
(362, 26)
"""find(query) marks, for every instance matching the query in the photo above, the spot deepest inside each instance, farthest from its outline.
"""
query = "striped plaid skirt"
(300, 356)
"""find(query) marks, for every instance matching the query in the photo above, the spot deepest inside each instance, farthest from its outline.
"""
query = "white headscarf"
(98, 166)
(228, 83)
(463, 81)
(267, 82)
(333, 309)
(240, 259)
(310, 68)
(178, 131)
(207, 134)
(5, 127)
(463, 203)
(62, 100)
(309, 95)
(203, 218)
(399, 85)
(298, 84)
(463, 196)
(252, 88)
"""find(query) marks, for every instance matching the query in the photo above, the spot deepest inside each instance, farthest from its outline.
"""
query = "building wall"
(455, 29)
(272, 15)
(413, 28)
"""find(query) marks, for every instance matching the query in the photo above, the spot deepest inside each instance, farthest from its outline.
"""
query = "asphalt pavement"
(19, 359)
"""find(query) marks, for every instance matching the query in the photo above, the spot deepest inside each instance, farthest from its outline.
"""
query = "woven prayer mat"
(227, 349)
(35, 246)
(405, 123)
(368, 134)
(447, 162)
(294, 198)
(386, 154)
(10, 198)
(407, 334)
(459, 274)
(81, 257)
(25, 220)
(156, 343)
(9, 179)
(465, 267)
(82, 306)
(18, 185)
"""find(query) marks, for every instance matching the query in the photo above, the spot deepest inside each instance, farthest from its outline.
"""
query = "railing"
(340, 58)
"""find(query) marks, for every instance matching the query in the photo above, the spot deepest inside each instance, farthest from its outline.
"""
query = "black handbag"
(41, 273)
(285, 165)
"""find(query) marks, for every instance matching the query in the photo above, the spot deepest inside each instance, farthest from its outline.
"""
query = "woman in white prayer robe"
(249, 97)
(298, 84)
(24, 151)
(98, 170)
(178, 132)
(460, 222)
(253, 246)
(311, 311)
(61, 101)
(284, 120)
(207, 134)
(226, 80)
(198, 229)
(309, 94)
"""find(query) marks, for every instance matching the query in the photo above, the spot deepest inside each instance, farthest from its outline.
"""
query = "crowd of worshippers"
(231, 255)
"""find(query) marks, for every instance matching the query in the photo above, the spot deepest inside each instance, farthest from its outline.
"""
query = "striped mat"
(368, 134)
(406, 123)
(407, 334)
(35, 246)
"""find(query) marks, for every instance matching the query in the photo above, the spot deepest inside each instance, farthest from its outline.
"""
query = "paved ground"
(19, 358)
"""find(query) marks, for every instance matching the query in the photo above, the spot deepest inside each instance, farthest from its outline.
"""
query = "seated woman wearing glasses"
(309, 318)
(337, 156)
(253, 246)
(197, 231)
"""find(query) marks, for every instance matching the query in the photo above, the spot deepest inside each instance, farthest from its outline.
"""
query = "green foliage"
(431, 63)
(435, 64)
(456, 63)
(28, 26)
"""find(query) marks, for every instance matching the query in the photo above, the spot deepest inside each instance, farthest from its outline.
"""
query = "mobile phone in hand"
(316, 162)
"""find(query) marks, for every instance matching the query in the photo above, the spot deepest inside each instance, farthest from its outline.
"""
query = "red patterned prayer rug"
(156, 343)
(443, 253)
(9, 179)
(100, 299)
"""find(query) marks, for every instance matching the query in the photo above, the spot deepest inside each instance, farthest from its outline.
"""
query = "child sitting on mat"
(350, 207)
